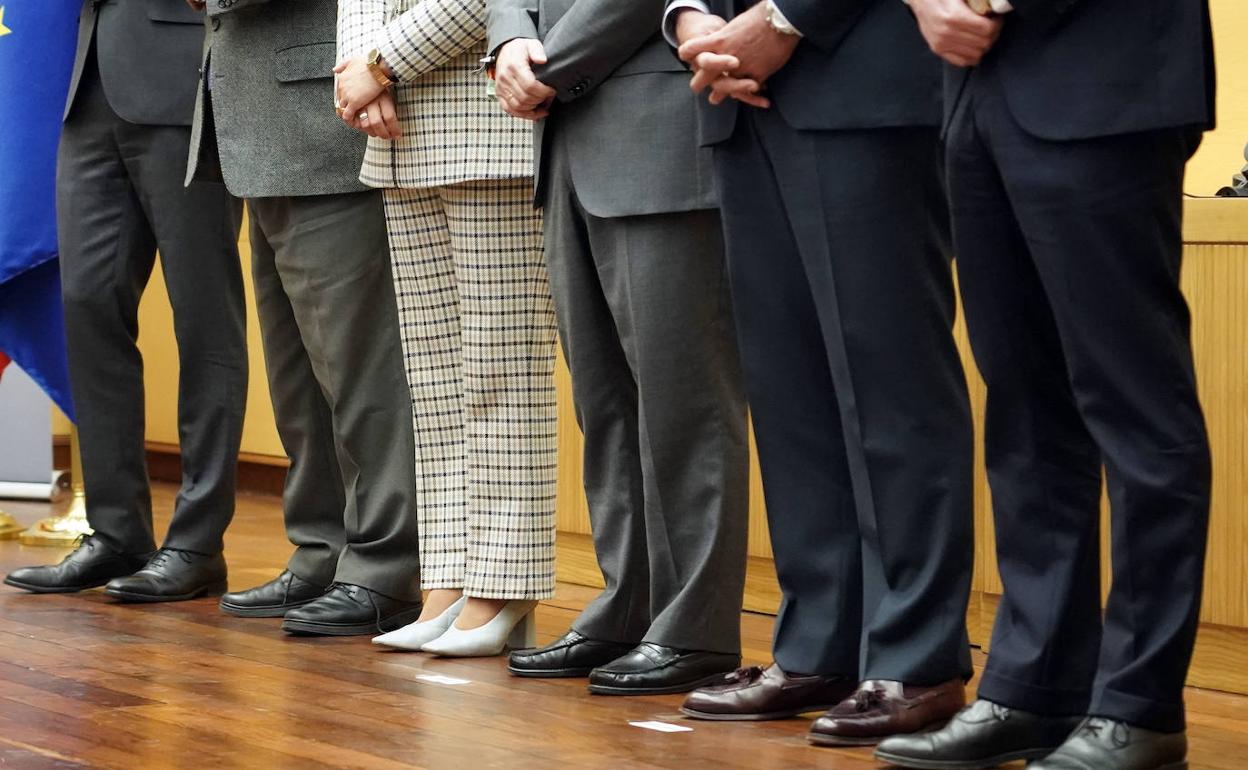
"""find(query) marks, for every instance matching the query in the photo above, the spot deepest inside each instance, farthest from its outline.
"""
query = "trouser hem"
(1046, 701)
(1141, 712)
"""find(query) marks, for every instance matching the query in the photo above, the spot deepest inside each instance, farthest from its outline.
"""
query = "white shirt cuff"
(669, 19)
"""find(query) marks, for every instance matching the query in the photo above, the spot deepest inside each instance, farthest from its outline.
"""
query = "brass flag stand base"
(9, 528)
(64, 530)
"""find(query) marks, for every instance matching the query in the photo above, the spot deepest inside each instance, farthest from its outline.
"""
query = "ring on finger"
(362, 117)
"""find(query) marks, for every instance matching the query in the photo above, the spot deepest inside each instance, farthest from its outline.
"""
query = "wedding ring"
(363, 116)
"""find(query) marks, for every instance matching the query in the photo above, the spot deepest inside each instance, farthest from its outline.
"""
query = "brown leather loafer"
(879, 708)
(755, 694)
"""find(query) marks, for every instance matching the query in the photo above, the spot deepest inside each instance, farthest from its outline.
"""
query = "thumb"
(537, 52)
(690, 49)
(342, 65)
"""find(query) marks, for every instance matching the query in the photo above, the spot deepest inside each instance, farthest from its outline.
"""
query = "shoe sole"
(213, 589)
(550, 673)
(240, 611)
(37, 589)
(1026, 755)
(603, 689)
(820, 739)
(385, 626)
(756, 717)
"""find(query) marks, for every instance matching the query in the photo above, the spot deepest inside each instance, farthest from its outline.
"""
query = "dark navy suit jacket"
(861, 64)
(1080, 69)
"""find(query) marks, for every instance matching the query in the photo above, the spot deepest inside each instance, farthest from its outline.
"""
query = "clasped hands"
(954, 32)
(362, 102)
(734, 58)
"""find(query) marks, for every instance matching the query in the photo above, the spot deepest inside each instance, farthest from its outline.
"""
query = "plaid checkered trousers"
(478, 324)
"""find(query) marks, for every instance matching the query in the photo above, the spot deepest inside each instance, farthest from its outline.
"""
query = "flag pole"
(64, 530)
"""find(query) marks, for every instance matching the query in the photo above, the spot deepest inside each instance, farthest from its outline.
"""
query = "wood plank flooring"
(86, 682)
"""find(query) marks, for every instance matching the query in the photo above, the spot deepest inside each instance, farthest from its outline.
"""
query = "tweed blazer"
(453, 128)
(265, 117)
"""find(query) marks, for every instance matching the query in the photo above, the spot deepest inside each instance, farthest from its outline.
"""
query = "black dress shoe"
(91, 564)
(172, 575)
(349, 610)
(984, 734)
(569, 655)
(273, 599)
(652, 669)
(1107, 744)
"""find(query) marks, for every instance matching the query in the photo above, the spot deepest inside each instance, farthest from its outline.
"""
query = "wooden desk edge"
(1215, 220)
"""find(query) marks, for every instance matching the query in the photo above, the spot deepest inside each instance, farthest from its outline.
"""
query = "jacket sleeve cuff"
(508, 24)
(673, 10)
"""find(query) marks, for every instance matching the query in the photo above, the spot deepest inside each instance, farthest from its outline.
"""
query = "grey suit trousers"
(645, 320)
(330, 328)
(119, 198)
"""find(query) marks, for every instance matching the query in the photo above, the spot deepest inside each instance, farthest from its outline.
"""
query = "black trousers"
(119, 198)
(1069, 259)
(838, 251)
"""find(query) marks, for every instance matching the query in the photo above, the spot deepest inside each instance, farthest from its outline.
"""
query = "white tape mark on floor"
(662, 727)
(439, 679)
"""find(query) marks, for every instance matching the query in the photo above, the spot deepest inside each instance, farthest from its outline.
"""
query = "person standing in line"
(477, 320)
(120, 200)
(328, 317)
(830, 171)
(1067, 150)
(635, 254)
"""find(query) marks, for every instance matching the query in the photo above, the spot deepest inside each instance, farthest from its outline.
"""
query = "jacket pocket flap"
(175, 12)
(305, 62)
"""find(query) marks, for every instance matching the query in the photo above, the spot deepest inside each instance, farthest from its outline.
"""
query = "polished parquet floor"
(86, 682)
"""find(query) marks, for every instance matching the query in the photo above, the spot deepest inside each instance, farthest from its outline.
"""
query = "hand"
(759, 50)
(691, 23)
(954, 32)
(380, 118)
(519, 91)
(355, 88)
(710, 69)
(196, 5)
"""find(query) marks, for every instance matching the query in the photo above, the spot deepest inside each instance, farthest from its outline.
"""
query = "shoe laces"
(82, 541)
(163, 556)
(1119, 732)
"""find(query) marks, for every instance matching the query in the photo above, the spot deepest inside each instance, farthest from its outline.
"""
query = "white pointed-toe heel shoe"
(512, 628)
(414, 636)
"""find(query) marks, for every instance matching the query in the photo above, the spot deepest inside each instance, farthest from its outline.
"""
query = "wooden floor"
(86, 682)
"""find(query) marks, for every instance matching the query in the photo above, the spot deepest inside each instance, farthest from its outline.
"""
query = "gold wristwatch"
(377, 71)
(982, 7)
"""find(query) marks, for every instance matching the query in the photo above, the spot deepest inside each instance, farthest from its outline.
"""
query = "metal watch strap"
(375, 69)
(776, 19)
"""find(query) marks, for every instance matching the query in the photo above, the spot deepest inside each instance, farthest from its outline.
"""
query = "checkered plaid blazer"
(453, 129)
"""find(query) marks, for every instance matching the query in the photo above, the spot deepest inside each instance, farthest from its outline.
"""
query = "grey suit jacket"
(148, 54)
(624, 110)
(266, 105)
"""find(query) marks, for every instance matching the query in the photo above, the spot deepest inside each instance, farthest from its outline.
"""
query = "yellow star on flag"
(3, 29)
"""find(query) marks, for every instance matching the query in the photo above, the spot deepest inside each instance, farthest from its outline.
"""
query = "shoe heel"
(217, 589)
(524, 635)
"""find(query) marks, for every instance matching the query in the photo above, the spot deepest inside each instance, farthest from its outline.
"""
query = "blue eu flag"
(37, 40)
